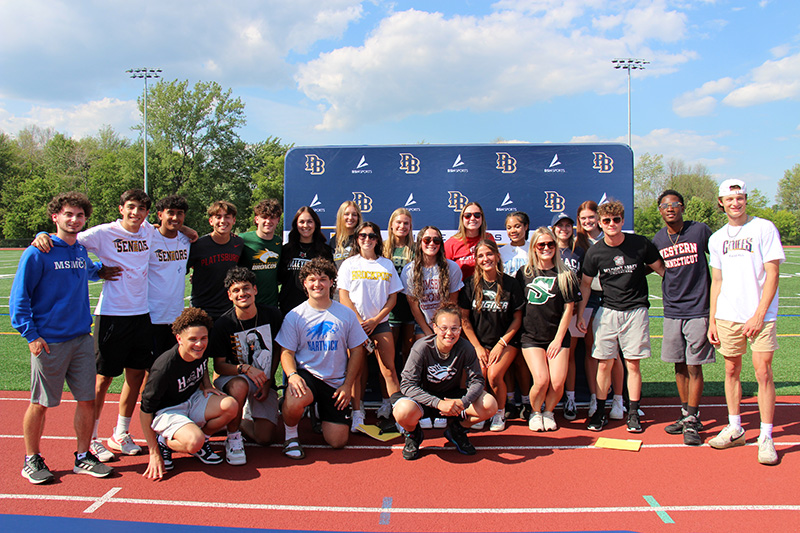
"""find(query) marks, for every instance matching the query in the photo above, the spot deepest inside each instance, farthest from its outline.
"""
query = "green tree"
(649, 179)
(647, 221)
(789, 190)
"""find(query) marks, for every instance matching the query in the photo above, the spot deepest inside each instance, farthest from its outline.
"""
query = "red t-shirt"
(463, 254)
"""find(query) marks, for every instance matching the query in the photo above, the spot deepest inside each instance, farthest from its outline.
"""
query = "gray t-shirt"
(320, 339)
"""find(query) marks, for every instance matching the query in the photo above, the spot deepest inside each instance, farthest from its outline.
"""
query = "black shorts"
(528, 342)
(323, 397)
(163, 339)
(122, 342)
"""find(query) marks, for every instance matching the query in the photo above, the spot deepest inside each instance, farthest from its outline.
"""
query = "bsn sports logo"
(458, 163)
(505, 163)
(363, 201)
(456, 201)
(410, 203)
(314, 164)
(316, 202)
(360, 167)
(409, 163)
(553, 164)
(554, 201)
(506, 202)
(602, 163)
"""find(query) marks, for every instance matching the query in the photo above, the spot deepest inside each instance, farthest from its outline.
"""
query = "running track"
(519, 481)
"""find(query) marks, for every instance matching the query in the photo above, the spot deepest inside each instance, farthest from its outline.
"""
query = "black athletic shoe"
(526, 411)
(457, 435)
(691, 433)
(598, 421)
(92, 466)
(36, 471)
(512, 411)
(207, 455)
(676, 428)
(413, 442)
(166, 455)
(633, 423)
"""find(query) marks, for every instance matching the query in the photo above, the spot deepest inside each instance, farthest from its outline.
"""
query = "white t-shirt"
(167, 277)
(740, 253)
(514, 257)
(320, 339)
(115, 246)
(370, 282)
(430, 300)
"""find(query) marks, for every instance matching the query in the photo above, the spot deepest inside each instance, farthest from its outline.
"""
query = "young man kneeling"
(180, 407)
(430, 386)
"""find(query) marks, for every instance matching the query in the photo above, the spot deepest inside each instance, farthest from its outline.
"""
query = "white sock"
(766, 431)
(123, 425)
(501, 412)
(236, 433)
(291, 432)
(735, 420)
(593, 397)
(571, 395)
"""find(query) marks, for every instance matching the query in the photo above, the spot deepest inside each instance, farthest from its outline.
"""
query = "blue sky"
(722, 87)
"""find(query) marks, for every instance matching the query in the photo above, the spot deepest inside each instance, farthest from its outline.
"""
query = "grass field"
(657, 375)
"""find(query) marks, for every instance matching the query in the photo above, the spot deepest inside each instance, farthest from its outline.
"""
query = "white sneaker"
(358, 419)
(549, 421)
(536, 423)
(234, 450)
(617, 411)
(100, 451)
(123, 443)
(766, 452)
(498, 421)
(385, 411)
(425, 423)
(439, 423)
(592, 406)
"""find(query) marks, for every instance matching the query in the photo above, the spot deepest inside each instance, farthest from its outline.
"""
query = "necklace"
(738, 231)
(247, 320)
(441, 355)
(677, 236)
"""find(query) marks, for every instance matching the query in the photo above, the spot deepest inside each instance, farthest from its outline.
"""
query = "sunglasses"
(543, 245)
(434, 240)
(365, 236)
(607, 221)
(674, 205)
(471, 215)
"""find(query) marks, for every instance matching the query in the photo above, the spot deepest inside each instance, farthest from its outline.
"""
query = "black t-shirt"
(249, 341)
(494, 318)
(686, 283)
(172, 381)
(573, 259)
(544, 305)
(292, 293)
(622, 271)
(211, 262)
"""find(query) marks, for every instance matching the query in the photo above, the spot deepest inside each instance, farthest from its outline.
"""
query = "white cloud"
(699, 102)
(688, 146)
(770, 82)
(77, 121)
(417, 62)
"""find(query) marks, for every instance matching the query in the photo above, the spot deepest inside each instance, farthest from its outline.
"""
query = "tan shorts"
(733, 343)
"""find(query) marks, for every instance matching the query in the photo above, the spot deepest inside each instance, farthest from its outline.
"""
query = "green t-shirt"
(262, 257)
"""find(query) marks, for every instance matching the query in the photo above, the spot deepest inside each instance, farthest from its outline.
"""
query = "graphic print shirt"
(544, 305)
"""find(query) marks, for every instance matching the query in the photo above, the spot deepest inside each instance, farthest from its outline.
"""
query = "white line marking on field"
(409, 510)
(103, 499)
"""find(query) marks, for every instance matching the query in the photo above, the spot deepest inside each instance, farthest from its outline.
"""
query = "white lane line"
(103, 499)
(408, 510)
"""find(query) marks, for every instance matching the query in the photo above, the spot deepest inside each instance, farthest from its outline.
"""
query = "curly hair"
(72, 198)
(319, 266)
(268, 208)
(191, 317)
(174, 201)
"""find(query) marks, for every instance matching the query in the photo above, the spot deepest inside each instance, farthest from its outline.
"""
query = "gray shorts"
(686, 341)
(170, 419)
(267, 409)
(628, 331)
(71, 361)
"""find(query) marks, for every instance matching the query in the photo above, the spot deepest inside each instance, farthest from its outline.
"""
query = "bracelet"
(239, 368)
(503, 341)
(291, 374)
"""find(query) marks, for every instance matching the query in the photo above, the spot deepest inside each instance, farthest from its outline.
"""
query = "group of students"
(470, 321)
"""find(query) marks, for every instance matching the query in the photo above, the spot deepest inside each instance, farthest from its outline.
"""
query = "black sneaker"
(633, 423)
(526, 411)
(207, 455)
(676, 428)
(166, 455)
(691, 434)
(598, 421)
(457, 435)
(36, 471)
(92, 466)
(413, 442)
(512, 411)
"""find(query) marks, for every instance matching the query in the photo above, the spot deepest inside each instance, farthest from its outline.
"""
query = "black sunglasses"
(370, 236)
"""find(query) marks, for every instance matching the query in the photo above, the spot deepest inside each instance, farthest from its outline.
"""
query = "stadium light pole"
(629, 63)
(145, 73)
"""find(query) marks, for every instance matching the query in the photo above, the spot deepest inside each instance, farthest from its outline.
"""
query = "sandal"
(293, 445)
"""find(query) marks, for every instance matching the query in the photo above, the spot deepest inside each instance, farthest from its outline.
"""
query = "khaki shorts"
(733, 343)
(628, 331)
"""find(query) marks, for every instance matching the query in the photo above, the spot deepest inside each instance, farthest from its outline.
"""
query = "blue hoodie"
(50, 294)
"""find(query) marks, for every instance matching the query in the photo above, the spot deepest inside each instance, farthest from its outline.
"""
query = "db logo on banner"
(602, 163)
(314, 164)
(456, 201)
(363, 201)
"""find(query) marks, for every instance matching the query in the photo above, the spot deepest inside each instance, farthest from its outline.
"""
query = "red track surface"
(518, 481)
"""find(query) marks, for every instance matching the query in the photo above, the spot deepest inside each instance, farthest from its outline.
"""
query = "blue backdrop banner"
(434, 182)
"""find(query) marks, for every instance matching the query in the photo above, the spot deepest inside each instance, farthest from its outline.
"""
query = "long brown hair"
(581, 237)
(462, 231)
(478, 276)
(419, 263)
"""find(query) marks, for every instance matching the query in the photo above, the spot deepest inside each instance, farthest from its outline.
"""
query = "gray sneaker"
(92, 466)
(766, 452)
(36, 471)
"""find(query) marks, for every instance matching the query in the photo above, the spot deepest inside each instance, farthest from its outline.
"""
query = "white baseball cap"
(726, 188)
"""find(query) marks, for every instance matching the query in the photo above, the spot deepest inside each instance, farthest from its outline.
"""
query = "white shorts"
(170, 419)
